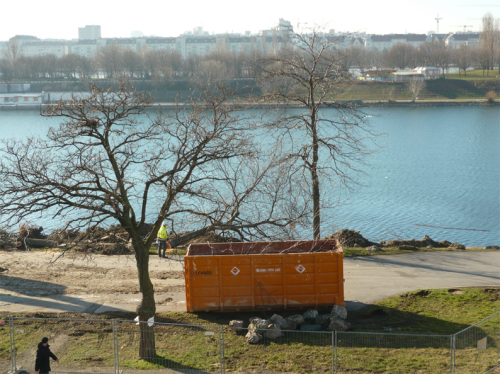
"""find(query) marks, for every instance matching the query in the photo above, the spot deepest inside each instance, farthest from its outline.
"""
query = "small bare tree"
(415, 85)
(490, 39)
(328, 145)
(401, 55)
(464, 57)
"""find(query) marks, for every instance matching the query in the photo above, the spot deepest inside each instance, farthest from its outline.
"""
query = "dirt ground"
(84, 281)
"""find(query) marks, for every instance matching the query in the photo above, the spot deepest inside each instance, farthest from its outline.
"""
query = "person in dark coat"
(43, 355)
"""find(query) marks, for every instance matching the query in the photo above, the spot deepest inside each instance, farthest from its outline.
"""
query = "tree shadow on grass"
(160, 362)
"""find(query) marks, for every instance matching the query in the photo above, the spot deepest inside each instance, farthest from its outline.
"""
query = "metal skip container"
(264, 275)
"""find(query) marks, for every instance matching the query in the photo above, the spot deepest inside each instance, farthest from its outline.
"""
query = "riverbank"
(361, 103)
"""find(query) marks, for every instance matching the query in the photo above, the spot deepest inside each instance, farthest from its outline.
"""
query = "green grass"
(437, 89)
(84, 344)
(475, 74)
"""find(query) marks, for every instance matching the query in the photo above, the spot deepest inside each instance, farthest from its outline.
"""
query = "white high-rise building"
(92, 32)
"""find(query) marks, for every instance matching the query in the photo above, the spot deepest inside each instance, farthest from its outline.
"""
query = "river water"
(439, 166)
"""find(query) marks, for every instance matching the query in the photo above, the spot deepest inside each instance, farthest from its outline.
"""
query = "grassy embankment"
(86, 345)
(439, 89)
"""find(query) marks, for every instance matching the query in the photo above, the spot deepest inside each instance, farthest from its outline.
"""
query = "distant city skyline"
(153, 17)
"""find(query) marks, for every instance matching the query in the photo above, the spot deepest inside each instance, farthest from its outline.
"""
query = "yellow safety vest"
(162, 233)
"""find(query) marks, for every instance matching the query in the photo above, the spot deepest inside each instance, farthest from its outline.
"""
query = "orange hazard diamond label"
(235, 271)
(300, 268)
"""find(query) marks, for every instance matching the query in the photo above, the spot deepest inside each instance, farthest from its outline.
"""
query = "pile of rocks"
(426, 242)
(351, 238)
(277, 325)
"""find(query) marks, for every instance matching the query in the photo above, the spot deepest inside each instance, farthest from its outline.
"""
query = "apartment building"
(44, 48)
(386, 42)
(470, 39)
(86, 48)
(90, 32)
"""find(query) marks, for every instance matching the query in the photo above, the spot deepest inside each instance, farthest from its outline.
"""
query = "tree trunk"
(147, 308)
(315, 183)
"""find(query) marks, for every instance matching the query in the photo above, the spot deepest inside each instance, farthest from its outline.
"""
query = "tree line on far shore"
(163, 66)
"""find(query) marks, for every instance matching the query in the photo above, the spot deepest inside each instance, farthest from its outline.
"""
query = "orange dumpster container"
(264, 275)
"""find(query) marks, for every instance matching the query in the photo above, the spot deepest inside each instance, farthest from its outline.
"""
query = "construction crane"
(437, 23)
(464, 26)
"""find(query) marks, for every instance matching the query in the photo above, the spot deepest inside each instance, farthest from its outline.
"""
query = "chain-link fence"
(111, 346)
(477, 348)
(393, 353)
(5, 345)
(279, 351)
(79, 344)
(180, 348)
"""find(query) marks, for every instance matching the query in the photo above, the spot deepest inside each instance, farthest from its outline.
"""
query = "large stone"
(492, 247)
(258, 324)
(311, 314)
(273, 331)
(339, 324)
(457, 246)
(444, 244)
(236, 325)
(278, 320)
(373, 248)
(252, 337)
(290, 325)
(339, 311)
(311, 328)
(324, 320)
(297, 318)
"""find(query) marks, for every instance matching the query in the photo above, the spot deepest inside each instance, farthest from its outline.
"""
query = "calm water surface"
(438, 166)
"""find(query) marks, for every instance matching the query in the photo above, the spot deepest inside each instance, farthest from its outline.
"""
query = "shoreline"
(360, 103)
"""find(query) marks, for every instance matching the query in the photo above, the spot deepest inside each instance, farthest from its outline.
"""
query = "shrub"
(491, 96)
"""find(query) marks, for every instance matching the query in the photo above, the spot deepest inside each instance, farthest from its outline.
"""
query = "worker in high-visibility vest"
(163, 241)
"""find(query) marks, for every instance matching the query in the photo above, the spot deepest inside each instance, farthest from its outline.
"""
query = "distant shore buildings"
(199, 42)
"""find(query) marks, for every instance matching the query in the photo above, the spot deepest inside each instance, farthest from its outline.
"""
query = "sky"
(60, 19)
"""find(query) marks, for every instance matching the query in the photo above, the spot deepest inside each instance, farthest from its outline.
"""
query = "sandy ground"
(37, 282)
(40, 281)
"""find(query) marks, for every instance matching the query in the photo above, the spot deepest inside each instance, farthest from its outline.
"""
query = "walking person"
(43, 355)
(163, 241)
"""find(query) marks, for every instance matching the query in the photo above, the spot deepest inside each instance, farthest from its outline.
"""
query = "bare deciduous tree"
(327, 145)
(415, 86)
(401, 55)
(103, 165)
(110, 60)
(12, 49)
(464, 57)
(483, 59)
(490, 39)
(132, 62)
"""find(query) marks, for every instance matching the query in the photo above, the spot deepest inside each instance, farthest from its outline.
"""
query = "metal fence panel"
(292, 352)
(393, 353)
(477, 348)
(178, 348)
(5, 348)
(81, 345)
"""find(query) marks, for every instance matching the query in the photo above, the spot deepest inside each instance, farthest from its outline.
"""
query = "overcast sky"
(61, 18)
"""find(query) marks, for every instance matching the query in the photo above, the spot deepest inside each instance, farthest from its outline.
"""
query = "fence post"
(12, 344)
(452, 354)
(221, 350)
(333, 352)
(116, 348)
